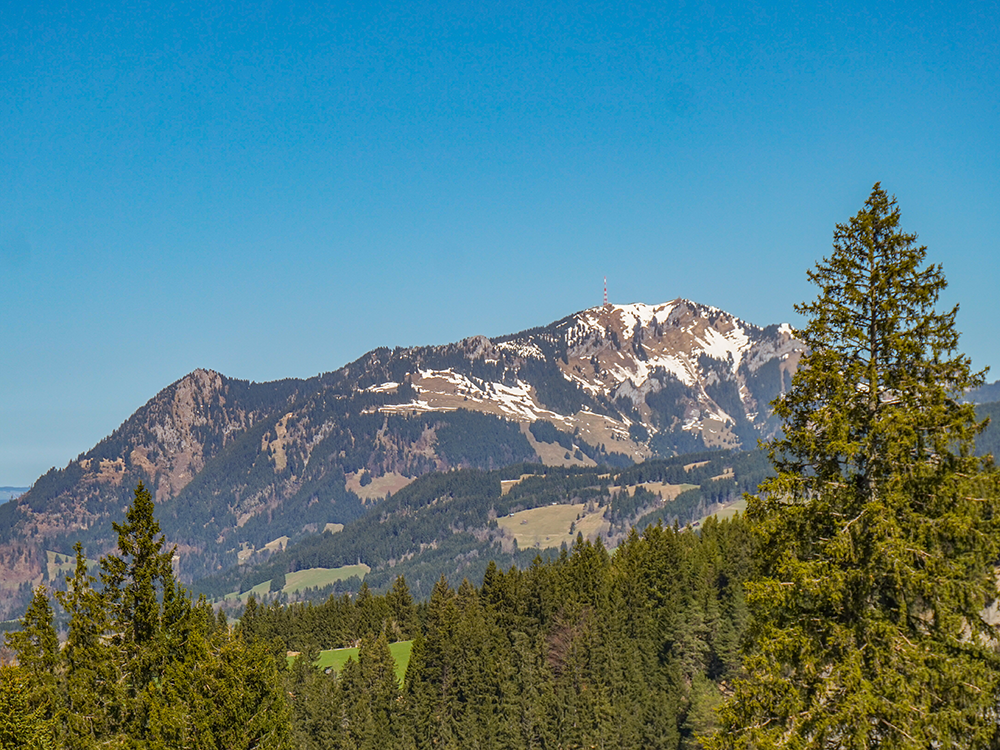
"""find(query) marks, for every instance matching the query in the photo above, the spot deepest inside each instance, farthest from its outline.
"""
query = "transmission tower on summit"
(605, 291)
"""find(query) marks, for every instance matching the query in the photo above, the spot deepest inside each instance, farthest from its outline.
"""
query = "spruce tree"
(90, 685)
(148, 618)
(135, 580)
(37, 649)
(21, 724)
(404, 612)
(37, 644)
(878, 535)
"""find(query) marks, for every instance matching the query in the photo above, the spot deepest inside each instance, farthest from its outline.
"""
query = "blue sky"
(272, 192)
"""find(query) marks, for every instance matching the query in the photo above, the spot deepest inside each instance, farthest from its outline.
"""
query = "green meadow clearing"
(549, 526)
(304, 579)
(66, 564)
(336, 658)
(727, 511)
(319, 577)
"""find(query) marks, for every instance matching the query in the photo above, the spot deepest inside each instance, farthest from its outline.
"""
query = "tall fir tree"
(404, 613)
(90, 684)
(878, 536)
(136, 579)
(36, 644)
(37, 649)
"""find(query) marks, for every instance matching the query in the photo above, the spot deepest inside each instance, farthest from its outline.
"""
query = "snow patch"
(723, 345)
(676, 366)
(526, 349)
(643, 314)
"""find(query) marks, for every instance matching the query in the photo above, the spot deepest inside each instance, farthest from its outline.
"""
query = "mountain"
(238, 469)
(984, 394)
(8, 493)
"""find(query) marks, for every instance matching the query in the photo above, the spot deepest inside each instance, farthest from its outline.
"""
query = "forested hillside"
(453, 524)
(584, 650)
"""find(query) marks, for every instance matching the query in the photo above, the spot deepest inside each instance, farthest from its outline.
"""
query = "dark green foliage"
(90, 674)
(668, 403)
(676, 442)
(467, 438)
(546, 432)
(52, 484)
(441, 524)
(638, 433)
(317, 706)
(37, 648)
(404, 624)
(554, 391)
(765, 384)
(21, 724)
(142, 667)
(725, 393)
(371, 691)
(580, 650)
(878, 537)
(36, 644)
(224, 693)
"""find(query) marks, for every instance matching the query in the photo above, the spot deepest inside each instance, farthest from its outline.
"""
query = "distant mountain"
(235, 466)
(985, 394)
(8, 493)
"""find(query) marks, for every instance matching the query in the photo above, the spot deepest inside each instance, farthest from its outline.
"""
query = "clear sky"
(272, 192)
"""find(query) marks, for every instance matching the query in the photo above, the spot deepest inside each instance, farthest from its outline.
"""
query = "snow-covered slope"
(637, 379)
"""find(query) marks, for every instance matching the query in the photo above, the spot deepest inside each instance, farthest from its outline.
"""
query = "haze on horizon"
(272, 192)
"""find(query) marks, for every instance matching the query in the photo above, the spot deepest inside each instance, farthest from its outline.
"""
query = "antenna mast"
(605, 291)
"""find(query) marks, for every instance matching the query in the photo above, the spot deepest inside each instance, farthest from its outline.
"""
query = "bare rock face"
(172, 450)
(236, 465)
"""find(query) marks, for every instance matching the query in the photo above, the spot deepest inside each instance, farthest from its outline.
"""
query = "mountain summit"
(237, 466)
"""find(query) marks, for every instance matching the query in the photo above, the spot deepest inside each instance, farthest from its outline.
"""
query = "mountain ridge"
(235, 464)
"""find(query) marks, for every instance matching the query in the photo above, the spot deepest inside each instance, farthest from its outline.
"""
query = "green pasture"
(336, 658)
(304, 579)
(66, 564)
(549, 526)
(258, 592)
(727, 511)
(319, 577)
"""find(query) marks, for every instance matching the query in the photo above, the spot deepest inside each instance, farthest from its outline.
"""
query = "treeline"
(142, 666)
(584, 649)
(339, 622)
(588, 650)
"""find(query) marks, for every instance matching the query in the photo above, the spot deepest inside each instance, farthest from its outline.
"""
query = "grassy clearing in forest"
(727, 511)
(66, 564)
(549, 526)
(319, 577)
(258, 592)
(664, 490)
(336, 658)
(304, 579)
